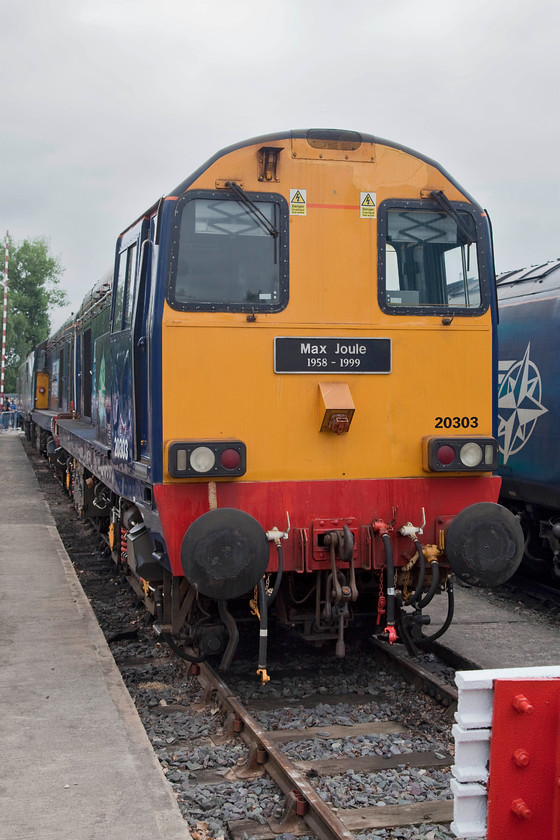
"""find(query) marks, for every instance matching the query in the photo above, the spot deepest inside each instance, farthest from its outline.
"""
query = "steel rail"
(534, 589)
(396, 655)
(322, 821)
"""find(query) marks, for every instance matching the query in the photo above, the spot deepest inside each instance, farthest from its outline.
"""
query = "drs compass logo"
(519, 403)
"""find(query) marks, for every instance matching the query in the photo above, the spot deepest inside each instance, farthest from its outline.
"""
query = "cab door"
(129, 438)
(141, 346)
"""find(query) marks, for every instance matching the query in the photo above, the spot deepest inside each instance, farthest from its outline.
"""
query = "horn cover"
(484, 544)
(224, 553)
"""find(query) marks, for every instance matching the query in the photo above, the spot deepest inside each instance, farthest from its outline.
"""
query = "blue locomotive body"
(529, 404)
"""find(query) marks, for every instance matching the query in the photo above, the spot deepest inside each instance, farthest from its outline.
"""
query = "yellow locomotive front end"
(327, 382)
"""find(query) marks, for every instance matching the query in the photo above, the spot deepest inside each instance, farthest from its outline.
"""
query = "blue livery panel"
(122, 416)
(529, 389)
(101, 400)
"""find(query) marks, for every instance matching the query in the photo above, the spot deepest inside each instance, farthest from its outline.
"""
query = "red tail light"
(230, 459)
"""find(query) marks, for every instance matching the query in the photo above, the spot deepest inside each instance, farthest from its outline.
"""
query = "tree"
(33, 291)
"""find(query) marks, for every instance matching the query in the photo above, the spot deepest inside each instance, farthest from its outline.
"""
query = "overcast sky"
(108, 104)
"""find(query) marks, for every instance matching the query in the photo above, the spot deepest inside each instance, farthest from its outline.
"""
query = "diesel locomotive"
(529, 408)
(281, 400)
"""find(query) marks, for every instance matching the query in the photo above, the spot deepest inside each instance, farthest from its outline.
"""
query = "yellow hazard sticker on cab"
(298, 202)
(368, 205)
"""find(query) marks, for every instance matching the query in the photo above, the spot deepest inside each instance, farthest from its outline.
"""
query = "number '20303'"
(456, 422)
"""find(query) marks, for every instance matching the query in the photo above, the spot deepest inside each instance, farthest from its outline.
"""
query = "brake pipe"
(271, 598)
(263, 632)
(390, 626)
(380, 527)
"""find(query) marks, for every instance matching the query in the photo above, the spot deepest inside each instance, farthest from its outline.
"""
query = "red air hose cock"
(390, 629)
(380, 527)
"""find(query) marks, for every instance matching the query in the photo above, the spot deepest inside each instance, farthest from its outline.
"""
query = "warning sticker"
(298, 202)
(368, 205)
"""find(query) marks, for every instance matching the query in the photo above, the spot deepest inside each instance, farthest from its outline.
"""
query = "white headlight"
(202, 459)
(471, 454)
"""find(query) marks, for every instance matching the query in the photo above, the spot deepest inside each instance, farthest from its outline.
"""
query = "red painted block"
(524, 781)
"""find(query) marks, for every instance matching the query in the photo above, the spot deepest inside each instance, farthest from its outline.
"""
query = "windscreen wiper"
(446, 205)
(253, 209)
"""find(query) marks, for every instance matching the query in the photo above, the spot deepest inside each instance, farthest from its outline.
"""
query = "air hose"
(390, 628)
(278, 580)
(263, 631)
(419, 586)
(433, 585)
(448, 619)
(176, 649)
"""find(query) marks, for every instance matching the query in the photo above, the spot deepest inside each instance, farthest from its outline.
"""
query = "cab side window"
(123, 293)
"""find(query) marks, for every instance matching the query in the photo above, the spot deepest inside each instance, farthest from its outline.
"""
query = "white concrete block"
(472, 754)
(469, 810)
(476, 691)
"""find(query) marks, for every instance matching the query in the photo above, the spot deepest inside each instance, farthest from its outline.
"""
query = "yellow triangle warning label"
(298, 202)
(368, 205)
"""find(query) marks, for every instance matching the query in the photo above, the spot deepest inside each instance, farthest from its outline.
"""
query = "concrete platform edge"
(169, 819)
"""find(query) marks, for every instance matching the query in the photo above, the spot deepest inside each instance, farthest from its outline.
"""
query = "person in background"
(5, 417)
(12, 419)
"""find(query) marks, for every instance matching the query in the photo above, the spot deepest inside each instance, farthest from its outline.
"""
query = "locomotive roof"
(325, 133)
(533, 280)
(331, 134)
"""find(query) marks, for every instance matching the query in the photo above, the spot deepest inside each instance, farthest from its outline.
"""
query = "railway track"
(304, 811)
(255, 750)
(534, 590)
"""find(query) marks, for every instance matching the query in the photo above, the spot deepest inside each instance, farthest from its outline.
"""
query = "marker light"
(197, 458)
(181, 460)
(459, 454)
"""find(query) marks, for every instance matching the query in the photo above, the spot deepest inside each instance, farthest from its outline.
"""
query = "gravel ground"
(392, 787)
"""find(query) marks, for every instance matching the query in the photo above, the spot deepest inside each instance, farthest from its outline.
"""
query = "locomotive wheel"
(224, 553)
(484, 544)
